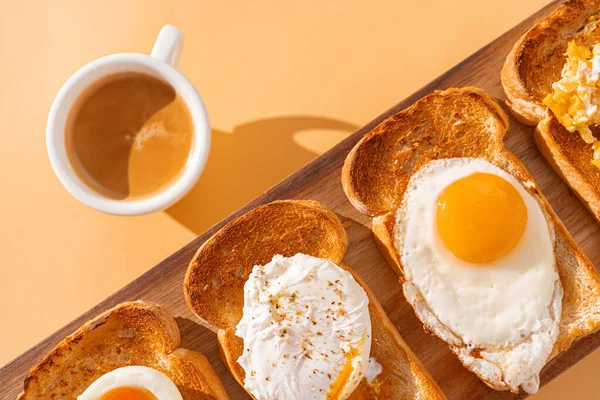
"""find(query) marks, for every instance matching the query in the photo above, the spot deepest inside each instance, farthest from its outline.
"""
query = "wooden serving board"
(320, 180)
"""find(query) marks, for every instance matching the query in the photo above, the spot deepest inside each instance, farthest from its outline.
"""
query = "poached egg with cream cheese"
(306, 330)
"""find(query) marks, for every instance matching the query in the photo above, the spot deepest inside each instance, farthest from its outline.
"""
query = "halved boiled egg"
(132, 383)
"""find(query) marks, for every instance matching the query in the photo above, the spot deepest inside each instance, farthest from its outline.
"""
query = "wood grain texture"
(320, 180)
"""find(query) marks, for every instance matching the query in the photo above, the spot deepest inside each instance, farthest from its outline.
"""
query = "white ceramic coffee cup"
(160, 63)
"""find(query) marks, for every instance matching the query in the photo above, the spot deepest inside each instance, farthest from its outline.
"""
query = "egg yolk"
(128, 393)
(337, 387)
(481, 217)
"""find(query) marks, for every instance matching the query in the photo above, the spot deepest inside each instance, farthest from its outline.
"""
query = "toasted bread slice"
(570, 157)
(531, 68)
(214, 288)
(538, 57)
(133, 333)
(459, 123)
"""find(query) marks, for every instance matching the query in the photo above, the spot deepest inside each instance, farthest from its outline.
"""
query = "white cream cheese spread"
(306, 330)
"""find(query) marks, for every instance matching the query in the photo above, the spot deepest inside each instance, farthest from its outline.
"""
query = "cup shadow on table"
(253, 157)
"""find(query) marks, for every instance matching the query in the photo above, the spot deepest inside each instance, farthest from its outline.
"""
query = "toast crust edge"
(352, 164)
(383, 228)
(524, 101)
(230, 345)
(568, 173)
(190, 363)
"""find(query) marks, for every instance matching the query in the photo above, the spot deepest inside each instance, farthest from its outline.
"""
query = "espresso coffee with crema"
(129, 136)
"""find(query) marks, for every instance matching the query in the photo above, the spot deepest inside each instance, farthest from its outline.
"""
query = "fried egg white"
(306, 330)
(132, 382)
(501, 315)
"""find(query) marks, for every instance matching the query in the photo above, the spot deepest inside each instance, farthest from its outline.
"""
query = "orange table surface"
(283, 81)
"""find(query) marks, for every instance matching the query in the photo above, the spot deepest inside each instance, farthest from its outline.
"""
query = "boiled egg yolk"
(481, 217)
(129, 393)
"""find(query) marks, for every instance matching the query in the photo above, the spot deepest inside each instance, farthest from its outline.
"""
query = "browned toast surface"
(533, 65)
(215, 279)
(402, 373)
(453, 124)
(290, 227)
(400, 152)
(538, 57)
(570, 157)
(133, 333)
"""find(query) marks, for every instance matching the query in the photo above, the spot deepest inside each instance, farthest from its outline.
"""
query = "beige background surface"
(283, 81)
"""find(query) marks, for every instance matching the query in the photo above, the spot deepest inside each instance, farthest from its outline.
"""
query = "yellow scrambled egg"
(576, 96)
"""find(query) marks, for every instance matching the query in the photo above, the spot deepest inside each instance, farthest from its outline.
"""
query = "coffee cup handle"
(168, 45)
